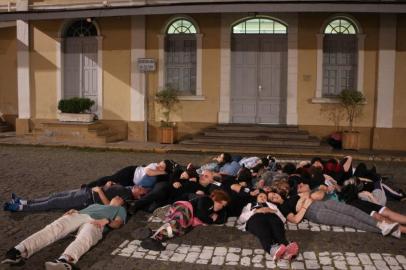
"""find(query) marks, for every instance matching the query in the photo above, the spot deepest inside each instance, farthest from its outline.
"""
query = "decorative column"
(386, 71)
(23, 78)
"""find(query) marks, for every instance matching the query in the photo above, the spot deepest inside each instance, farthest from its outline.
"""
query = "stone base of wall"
(23, 126)
(371, 138)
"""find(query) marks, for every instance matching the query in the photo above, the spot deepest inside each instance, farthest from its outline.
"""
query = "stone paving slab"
(38, 171)
(257, 258)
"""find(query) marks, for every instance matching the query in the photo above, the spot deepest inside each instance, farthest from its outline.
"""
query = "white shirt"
(140, 172)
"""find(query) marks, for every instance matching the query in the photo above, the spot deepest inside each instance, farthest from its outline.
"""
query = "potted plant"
(76, 110)
(167, 98)
(352, 102)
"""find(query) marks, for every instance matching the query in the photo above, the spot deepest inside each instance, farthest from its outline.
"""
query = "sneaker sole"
(57, 266)
(291, 252)
(278, 255)
(10, 261)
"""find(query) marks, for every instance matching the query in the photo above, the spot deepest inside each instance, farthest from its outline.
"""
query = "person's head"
(189, 173)
(138, 192)
(289, 168)
(220, 199)
(317, 162)
(206, 178)
(244, 176)
(224, 158)
(117, 201)
(262, 197)
(275, 198)
(303, 186)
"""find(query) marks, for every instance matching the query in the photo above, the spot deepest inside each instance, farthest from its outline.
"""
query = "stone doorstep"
(69, 132)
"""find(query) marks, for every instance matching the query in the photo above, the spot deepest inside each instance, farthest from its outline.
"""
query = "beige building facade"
(34, 66)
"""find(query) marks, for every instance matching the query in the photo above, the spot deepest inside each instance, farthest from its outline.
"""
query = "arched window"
(180, 56)
(260, 26)
(340, 57)
(81, 28)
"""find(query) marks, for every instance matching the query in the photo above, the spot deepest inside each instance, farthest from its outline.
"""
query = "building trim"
(227, 22)
(101, 10)
(60, 64)
(23, 69)
(318, 98)
(138, 50)
(386, 71)
(199, 57)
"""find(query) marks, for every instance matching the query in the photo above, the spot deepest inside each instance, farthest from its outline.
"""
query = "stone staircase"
(5, 127)
(95, 133)
(255, 136)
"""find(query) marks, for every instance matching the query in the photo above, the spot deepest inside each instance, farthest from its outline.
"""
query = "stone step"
(256, 128)
(244, 142)
(5, 128)
(255, 148)
(259, 134)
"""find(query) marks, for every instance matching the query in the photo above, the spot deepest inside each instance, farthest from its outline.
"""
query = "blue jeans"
(70, 199)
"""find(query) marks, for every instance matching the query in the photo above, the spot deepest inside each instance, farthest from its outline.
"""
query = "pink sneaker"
(277, 251)
(291, 251)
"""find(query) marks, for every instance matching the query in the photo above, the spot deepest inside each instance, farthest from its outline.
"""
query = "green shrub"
(75, 105)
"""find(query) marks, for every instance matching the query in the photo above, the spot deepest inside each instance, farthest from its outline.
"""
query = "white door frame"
(227, 20)
(60, 54)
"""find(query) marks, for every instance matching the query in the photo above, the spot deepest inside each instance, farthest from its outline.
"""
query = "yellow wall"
(43, 39)
(116, 68)
(399, 114)
(318, 114)
(191, 111)
(8, 71)
(116, 34)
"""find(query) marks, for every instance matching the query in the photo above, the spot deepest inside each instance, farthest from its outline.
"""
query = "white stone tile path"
(304, 225)
(234, 256)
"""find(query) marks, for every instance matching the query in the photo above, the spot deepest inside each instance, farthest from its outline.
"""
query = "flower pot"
(351, 140)
(167, 135)
(76, 117)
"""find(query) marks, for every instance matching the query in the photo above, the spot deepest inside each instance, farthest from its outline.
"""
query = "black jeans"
(123, 177)
(268, 228)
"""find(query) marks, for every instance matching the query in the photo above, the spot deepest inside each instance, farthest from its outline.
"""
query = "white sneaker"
(387, 228)
(397, 234)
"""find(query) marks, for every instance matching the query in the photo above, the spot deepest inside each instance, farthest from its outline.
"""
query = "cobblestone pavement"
(37, 171)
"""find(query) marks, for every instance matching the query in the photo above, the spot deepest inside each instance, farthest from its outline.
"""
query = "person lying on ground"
(75, 199)
(145, 176)
(182, 216)
(90, 223)
(330, 212)
(264, 220)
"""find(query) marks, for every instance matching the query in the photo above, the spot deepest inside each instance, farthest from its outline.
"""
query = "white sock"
(22, 250)
(23, 202)
(66, 258)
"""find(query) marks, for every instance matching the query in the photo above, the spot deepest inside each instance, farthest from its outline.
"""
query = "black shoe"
(152, 244)
(60, 264)
(13, 256)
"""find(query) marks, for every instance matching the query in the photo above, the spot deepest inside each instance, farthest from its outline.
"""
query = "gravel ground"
(36, 171)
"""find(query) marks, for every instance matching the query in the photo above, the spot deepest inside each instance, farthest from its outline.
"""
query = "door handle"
(259, 88)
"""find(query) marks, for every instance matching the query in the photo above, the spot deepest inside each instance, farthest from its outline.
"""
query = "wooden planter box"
(76, 117)
(168, 135)
(351, 140)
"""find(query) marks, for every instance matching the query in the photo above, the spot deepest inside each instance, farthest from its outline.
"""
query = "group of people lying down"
(262, 193)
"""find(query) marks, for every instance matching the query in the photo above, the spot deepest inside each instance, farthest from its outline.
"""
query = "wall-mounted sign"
(146, 64)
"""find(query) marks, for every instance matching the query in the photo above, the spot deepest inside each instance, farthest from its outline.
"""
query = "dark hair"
(169, 165)
(316, 159)
(289, 168)
(227, 158)
(265, 162)
(191, 172)
(219, 195)
(244, 175)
